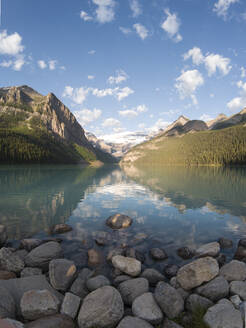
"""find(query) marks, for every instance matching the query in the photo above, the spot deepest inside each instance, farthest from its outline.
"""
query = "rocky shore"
(40, 287)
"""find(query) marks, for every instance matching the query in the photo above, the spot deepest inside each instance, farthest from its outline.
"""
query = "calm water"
(173, 207)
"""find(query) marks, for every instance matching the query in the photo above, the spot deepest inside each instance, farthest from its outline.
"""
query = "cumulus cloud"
(243, 72)
(125, 30)
(238, 103)
(206, 117)
(135, 8)
(171, 25)
(130, 113)
(52, 64)
(87, 116)
(159, 124)
(120, 77)
(109, 122)
(141, 31)
(77, 95)
(42, 64)
(195, 54)
(105, 10)
(85, 16)
(187, 84)
(119, 93)
(18, 63)
(90, 77)
(10, 44)
(123, 93)
(221, 7)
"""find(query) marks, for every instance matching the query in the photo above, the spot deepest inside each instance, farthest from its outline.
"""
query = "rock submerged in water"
(211, 249)
(61, 228)
(61, 273)
(3, 235)
(119, 221)
(128, 265)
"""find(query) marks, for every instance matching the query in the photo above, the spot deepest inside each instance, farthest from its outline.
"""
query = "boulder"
(118, 280)
(234, 270)
(133, 322)
(211, 249)
(158, 254)
(169, 300)
(80, 258)
(52, 321)
(108, 306)
(7, 304)
(62, 272)
(223, 314)
(131, 289)
(214, 290)
(174, 282)
(185, 253)
(128, 265)
(27, 272)
(195, 273)
(236, 301)
(43, 254)
(113, 252)
(5, 275)
(119, 221)
(3, 235)
(225, 243)
(133, 252)
(238, 288)
(9, 261)
(97, 282)
(153, 276)
(10, 323)
(171, 270)
(184, 293)
(30, 243)
(146, 308)
(79, 285)
(240, 253)
(70, 305)
(195, 302)
(170, 324)
(36, 304)
(61, 228)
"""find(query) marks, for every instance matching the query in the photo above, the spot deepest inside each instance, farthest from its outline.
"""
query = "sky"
(128, 65)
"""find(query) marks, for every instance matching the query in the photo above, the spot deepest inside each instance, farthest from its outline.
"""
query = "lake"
(171, 206)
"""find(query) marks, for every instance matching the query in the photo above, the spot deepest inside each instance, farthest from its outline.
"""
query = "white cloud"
(6, 64)
(221, 7)
(124, 93)
(109, 122)
(42, 64)
(18, 63)
(121, 76)
(105, 10)
(142, 108)
(77, 95)
(135, 8)
(187, 84)
(86, 116)
(125, 30)
(159, 124)
(171, 25)
(85, 16)
(116, 92)
(10, 44)
(91, 77)
(205, 117)
(243, 72)
(52, 65)
(130, 113)
(215, 61)
(238, 103)
(102, 92)
(92, 52)
(195, 54)
(141, 31)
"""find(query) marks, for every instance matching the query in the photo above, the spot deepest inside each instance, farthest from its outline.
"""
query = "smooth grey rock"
(80, 258)
(240, 253)
(238, 288)
(52, 321)
(22, 253)
(223, 314)
(211, 249)
(62, 273)
(236, 301)
(12, 323)
(114, 252)
(214, 290)
(195, 302)
(30, 243)
(61, 228)
(195, 273)
(133, 322)
(174, 283)
(184, 293)
(242, 308)
(7, 304)
(171, 270)
(27, 272)
(97, 282)
(36, 304)
(146, 308)
(70, 305)
(153, 276)
(169, 300)
(9, 261)
(225, 242)
(133, 288)
(79, 285)
(119, 221)
(234, 270)
(41, 256)
(185, 253)
(158, 254)
(133, 252)
(3, 235)
(118, 280)
(170, 324)
(128, 265)
(102, 308)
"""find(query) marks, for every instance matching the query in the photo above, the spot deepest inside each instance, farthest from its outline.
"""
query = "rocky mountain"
(231, 121)
(219, 118)
(44, 129)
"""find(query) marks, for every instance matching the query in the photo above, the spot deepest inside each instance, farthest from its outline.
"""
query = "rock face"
(108, 306)
(128, 265)
(7, 304)
(119, 221)
(36, 304)
(195, 273)
(169, 300)
(43, 254)
(61, 228)
(62, 273)
(211, 249)
(10, 261)
(131, 289)
(132, 322)
(234, 270)
(223, 315)
(215, 290)
(3, 235)
(52, 321)
(146, 308)
(70, 305)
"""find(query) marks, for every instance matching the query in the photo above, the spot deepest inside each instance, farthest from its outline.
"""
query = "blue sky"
(128, 65)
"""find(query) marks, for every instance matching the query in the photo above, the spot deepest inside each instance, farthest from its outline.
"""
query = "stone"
(119, 221)
(171, 270)
(52, 321)
(225, 242)
(221, 259)
(108, 306)
(146, 308)
(185, 253)
(79, 285)
(153, 276)
(139, 238)
(242, 242)
(240, 253)
(234, 270)
(118, 280)
(223, 314)
(7, 304)
(184, 293)
(131, 289)
(236, 301)
(114, 252)
(5, 275)
(80, 259)
(22, 253)
(133, 322)
(195, 302)
(238, 288)
(61, 228)
(214, 290)
(158, 254)
(9, 261)
(102, 238)
(70, 305)
(195, 273)
(62, 272)
(169, 300)
(128, 265)
(211, 249)
(97, 282)
(94, 257)
(174, 282)
(10, 323)
(30, 243)
(134, 253)
(41, 256)
(242, 308)
(3, 235)
(27, 272)
(170, 324)
(36, 304)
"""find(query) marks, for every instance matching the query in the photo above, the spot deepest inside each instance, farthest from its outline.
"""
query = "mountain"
(194, 144)
(41, 129)
(219, 118)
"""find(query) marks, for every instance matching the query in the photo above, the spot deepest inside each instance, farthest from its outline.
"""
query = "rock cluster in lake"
(40, 287)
